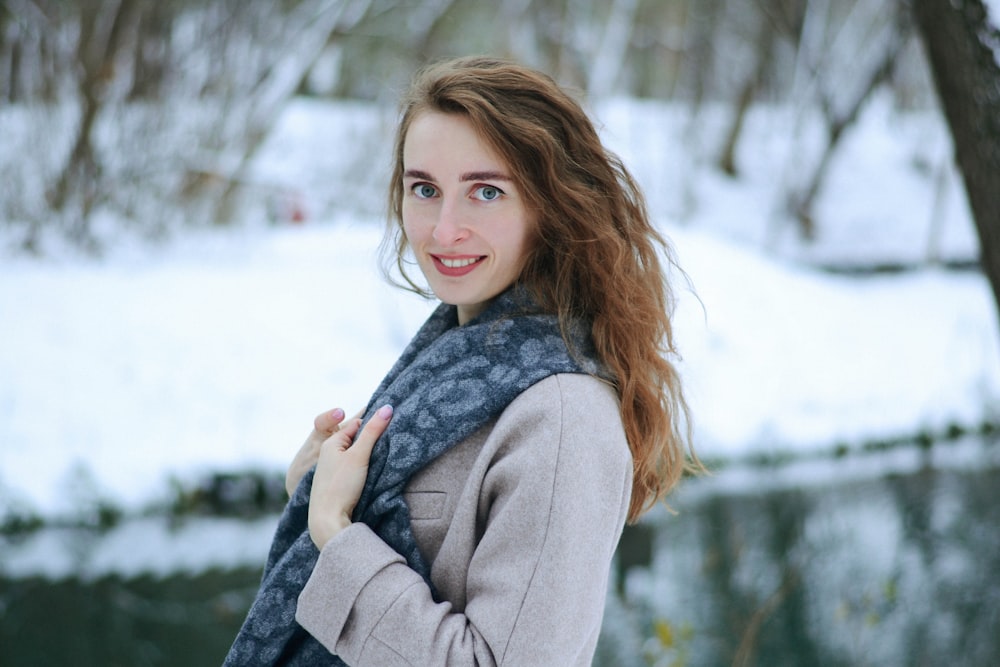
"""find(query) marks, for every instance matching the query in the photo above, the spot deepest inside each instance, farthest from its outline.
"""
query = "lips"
(456, 265)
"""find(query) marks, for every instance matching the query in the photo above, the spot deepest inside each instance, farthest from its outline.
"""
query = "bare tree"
(841, 62)
(612, 49)
(10, 57)
(153, 51)
(105, 28)
(154, 112)
(963, 48)
(307, 32)
(841, 109)
(157, 109)
(775, 19)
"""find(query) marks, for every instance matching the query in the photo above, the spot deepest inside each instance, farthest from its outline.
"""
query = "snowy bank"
(122, 375)
(215, 352)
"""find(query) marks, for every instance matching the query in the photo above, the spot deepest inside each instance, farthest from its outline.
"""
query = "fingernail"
(385, 411)
(338, 414)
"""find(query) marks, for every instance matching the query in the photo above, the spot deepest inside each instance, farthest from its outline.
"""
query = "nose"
(450, 229)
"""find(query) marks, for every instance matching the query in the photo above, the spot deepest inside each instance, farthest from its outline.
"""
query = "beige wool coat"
(519, 522)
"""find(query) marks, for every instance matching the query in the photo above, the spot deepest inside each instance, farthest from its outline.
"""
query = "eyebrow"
(416, 173)
(484, 176)
(466, 177)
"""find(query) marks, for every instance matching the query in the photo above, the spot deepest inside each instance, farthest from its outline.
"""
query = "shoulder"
(567, 410)
(569, 398)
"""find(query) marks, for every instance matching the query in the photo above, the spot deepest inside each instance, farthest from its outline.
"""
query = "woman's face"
(463, 216)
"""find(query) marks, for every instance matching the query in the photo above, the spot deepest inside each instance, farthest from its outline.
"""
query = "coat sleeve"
(552, 506)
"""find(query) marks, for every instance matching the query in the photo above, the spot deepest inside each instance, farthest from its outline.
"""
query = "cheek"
(412, 228)
(527, 239)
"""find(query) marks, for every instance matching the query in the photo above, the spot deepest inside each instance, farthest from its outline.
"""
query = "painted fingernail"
(385, 411)
(337, 414)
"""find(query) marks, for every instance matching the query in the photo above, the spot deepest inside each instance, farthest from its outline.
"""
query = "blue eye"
(488, 193)
(424, 190)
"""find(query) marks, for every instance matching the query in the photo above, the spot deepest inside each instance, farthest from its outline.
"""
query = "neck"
(470, 312)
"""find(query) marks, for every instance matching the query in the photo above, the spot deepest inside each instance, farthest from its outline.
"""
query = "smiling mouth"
(459, 263)
(456, 266)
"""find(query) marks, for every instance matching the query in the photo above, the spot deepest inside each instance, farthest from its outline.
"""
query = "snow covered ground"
(215, 351)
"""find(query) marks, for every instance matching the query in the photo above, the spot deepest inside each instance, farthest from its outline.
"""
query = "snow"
(785, 359)
(148, 545)
(215, 351)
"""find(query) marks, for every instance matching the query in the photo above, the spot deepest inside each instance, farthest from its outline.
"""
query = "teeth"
(458, 263)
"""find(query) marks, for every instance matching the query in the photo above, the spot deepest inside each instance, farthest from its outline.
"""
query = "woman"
(473, 518)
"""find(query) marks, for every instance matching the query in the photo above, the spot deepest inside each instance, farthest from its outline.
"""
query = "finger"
(359, 414)
(327, 422)
(373, 429)
(344, 436)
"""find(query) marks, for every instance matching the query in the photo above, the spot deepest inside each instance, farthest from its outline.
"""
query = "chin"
(454, 297)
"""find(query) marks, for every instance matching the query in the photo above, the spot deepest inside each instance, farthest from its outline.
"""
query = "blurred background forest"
(146, 116)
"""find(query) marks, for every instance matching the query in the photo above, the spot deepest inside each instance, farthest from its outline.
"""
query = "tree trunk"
(78, 182)
(839, 118)
(766, 37)
(13, 83)
(957, 37)
(152, 52)
(612, 51)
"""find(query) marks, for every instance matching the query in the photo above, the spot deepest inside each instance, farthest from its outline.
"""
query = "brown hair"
(597, 257)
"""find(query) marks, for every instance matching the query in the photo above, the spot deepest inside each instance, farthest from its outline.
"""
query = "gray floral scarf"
(450, 381)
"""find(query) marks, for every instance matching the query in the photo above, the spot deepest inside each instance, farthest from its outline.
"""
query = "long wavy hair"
(596, 257)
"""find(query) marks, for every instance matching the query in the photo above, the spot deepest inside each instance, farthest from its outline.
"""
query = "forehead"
(448, 139)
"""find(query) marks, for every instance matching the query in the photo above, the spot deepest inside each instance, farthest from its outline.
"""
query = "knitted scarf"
(450, 381)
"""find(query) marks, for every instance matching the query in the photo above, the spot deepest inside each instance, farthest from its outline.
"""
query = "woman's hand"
(340, 475)
(325, 425)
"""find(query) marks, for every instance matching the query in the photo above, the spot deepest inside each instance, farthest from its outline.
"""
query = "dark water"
(111, 621)
(901, 570)
(772, 567)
